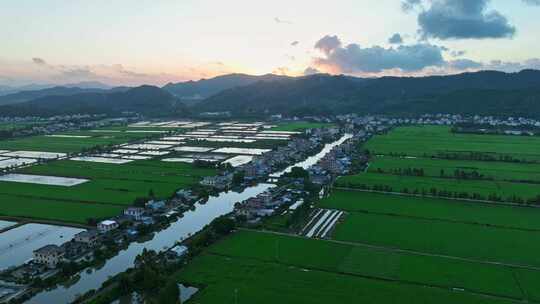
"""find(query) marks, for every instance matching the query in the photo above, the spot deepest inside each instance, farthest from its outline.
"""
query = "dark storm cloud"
(532, 2)
(463, 19)
(353, 58)
(408, 5)
(395, 39)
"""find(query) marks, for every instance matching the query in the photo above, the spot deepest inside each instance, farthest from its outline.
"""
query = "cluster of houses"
(269, 202)
(515, 125)
(261, 166)
(81, 247)
(294, 151)
(56, 124)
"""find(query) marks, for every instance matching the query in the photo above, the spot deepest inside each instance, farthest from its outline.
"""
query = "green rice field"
(505, 245)
(69, 144)
(269, 268)
(434, 208)
(503, 171)
(432, 140)
(301, 126)
(110, 187)
(400, 183)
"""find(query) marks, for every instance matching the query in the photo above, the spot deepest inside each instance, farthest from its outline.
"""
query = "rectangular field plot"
(154, 153)
(246, 151)
(68, 142)
(239, 160)
(193, 149)
(503, 171)
(111, 188)
(438, 140)
(179, 160)
(287, 128)
(269, 268)
(163, 142)
(17, 245)
(465, 240)
(434, 208)
(42, 180)
(50, 209)
(15, 162)
(221, 140)
(136, 157)
(96, 159)
(125, 151)
(35, 154)
(146, 147)
(68, 136)
(419, 184)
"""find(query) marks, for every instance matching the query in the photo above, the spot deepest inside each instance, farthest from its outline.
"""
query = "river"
(192, 222)
(312, 160)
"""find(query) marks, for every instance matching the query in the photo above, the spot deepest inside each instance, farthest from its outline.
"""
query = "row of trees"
(433, 191)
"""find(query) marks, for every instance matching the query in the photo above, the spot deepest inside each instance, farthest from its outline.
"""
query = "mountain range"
(484, 93)
(191, 92)
(150, 100)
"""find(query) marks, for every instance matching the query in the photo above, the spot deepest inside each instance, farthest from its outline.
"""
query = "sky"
(127, 42)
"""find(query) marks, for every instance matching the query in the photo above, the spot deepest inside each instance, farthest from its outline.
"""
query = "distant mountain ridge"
(484, 93)
(320, 94)
(6, 89)
(23, 96)
(194, 91)
(147, 100)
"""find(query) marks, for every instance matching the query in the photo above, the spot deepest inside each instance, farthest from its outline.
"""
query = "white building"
(107, 225)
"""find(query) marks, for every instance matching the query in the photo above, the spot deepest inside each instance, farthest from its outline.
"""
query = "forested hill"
(486, 92)
(194, 91)
(148, 100)
(23, 96)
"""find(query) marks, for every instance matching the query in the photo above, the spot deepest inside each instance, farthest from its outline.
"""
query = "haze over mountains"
(193, 91)
(486, 93)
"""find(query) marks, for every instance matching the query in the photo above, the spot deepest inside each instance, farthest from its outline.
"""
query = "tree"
(169, 294)
(223, 225)
(298, 172)
(238, 178)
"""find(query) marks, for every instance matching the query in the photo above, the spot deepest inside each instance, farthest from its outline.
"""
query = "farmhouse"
(49, 255)
(88, 237)
(134, 212)
(107, 225)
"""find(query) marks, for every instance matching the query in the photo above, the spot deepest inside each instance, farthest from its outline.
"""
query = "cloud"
(462, 19)
(284, 71)
(418, 59)
(353, 58)
(39, 61)
(532, 2)
(464, 64)
(395, 39)
(311, 71)
(328, 43)
(457, 53)
(295, 43)
(409, 5)
(281, 21)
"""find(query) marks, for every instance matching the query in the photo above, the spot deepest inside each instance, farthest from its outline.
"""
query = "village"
(52, 262)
